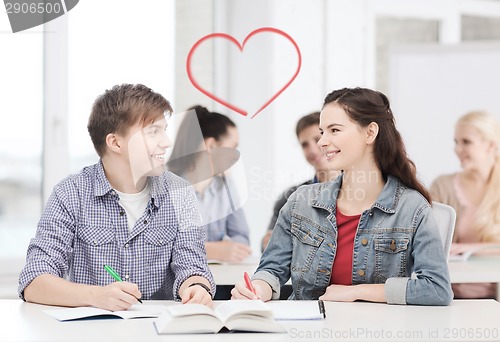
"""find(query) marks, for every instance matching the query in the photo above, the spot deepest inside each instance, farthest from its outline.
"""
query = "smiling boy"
(125, 211)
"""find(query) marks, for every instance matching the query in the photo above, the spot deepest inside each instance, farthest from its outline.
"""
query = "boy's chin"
(157, 171)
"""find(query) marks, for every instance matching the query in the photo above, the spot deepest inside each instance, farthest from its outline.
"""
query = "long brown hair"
(365, 106)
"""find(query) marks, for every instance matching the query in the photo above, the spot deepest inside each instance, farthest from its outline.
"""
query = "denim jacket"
(396, 237)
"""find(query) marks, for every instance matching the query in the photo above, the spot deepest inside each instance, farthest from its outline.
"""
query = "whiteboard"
(430, 87)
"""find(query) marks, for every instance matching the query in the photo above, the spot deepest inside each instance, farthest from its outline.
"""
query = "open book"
(136, 311)
(242, 315)
(466, 255)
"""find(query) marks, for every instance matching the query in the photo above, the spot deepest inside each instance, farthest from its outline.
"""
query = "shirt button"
(95, 242)
(126, 276)
(122, 213)
(393, 245)
(361, 273)
(370, 214)
(364, 241)
(145, 221)
(126, 245)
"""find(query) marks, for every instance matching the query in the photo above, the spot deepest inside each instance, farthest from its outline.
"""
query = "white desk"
(478, 269)
(473, 320)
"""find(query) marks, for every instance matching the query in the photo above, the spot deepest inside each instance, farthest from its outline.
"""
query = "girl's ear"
(210, 143)
(371, 132)
(494, 147)
(113, 142)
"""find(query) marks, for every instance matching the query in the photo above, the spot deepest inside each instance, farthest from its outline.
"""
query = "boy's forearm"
(52, 290)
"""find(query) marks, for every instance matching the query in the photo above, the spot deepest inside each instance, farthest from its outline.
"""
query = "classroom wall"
(271, 158)
(431, 86)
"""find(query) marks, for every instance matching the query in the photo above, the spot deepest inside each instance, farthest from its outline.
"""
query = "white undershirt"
(134, 204)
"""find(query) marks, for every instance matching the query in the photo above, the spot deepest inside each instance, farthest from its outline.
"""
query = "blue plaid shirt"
(83, 228)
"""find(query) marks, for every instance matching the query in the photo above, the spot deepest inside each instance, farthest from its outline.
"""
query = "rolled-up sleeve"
(395, 290)
(48, 252)
(431, 284)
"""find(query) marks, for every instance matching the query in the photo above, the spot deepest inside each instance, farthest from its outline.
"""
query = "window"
(21, 67)
(112, 42)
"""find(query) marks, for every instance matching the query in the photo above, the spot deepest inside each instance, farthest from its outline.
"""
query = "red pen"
(248, 282)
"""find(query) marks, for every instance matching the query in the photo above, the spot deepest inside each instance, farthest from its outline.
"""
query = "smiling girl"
(362, 236)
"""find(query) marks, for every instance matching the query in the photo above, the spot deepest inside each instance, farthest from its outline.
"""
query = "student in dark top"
(308, 134)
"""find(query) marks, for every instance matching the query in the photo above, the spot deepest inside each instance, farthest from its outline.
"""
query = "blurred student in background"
(308, 134)
(205, 147)
(474, 193)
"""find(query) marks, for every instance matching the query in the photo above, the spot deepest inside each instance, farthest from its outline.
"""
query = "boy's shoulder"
(86, 177)
(169, 182)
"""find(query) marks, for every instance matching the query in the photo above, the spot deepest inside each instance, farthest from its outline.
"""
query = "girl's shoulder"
(444, 181)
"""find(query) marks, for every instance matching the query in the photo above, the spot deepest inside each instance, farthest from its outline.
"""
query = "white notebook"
(285, 310)
(136, 311)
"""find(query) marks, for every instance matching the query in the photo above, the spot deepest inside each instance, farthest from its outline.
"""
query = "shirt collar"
(327, 194)
(103, 187)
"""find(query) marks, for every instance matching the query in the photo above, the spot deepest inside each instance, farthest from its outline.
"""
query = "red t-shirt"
(342, 264)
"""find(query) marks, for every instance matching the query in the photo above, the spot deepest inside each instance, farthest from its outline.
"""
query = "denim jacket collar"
(326, 197)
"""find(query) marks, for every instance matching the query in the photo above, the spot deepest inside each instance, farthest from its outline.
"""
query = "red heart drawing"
(241, 46)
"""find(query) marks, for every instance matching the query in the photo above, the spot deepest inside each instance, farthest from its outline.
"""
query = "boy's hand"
(117, 296)
(196, 295)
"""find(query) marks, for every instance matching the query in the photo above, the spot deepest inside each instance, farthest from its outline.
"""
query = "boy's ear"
(371, 132)
(113, 142)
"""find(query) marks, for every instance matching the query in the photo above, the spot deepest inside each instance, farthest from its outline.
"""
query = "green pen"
(116, 276)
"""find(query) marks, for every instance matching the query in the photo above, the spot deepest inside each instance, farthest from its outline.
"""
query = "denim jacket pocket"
(391, 256)
(306, 241)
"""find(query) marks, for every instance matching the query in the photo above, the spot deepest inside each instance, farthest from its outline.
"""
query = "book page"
(232, 308)
(181, 310)
(188, 319)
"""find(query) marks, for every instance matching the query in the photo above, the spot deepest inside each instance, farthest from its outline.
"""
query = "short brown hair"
(123, 106)
(307, 121)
